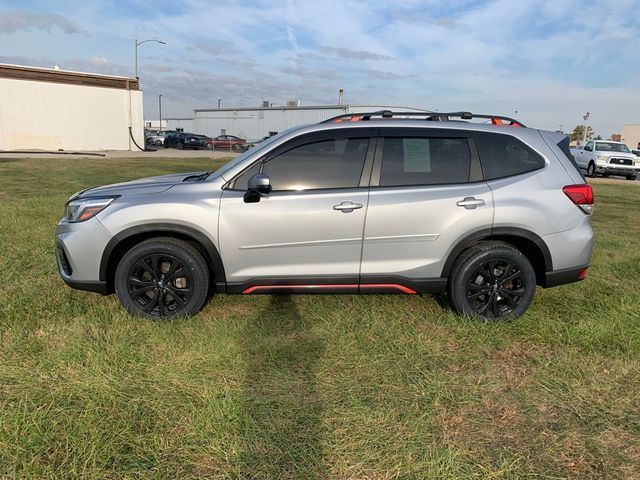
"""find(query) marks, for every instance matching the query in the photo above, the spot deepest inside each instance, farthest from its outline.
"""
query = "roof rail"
(428, 116)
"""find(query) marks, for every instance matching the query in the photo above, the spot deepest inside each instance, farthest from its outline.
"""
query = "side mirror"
(258, 185)
(261, 183)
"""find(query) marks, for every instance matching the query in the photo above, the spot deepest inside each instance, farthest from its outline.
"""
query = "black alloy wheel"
(162, 278)
(495, 288)
(492, 281)
(160, 284)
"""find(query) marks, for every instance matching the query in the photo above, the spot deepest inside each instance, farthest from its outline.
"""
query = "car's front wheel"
(591, 170)
(492, 281)
(162, 278)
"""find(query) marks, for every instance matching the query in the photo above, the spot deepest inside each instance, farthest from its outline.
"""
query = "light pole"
(219, 101)
(586, 127)
(160, 110)
(137, 44)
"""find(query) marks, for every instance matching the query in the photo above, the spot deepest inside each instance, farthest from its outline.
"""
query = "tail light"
(581, 195)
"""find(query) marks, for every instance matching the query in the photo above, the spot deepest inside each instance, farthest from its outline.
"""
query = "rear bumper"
(564, 276)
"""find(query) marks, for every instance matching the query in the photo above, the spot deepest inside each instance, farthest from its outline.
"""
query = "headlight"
(603, 158)
(83, 209)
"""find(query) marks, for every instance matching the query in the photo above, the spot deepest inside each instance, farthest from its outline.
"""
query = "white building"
(181, 124)
(255, 123)
(51, 109)
(155, 124)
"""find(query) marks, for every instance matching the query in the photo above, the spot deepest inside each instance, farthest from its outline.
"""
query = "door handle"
(347, 207)
(470, 203)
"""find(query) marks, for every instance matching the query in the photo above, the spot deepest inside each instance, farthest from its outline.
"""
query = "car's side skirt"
(339, 285)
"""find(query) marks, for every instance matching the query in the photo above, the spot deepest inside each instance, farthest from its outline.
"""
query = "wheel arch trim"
(213, 255)
(491, 233)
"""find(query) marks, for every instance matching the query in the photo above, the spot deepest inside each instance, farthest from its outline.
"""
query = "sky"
(549, 61)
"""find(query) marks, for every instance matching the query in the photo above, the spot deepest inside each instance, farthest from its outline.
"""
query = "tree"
(578, 133)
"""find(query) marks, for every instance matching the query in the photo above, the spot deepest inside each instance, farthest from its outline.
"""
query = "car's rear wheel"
(180, 146)
(158, 143)
(237, 147)
(632, 177)
(492, 281)
(162, 278)
(209, 146)
(591, 170)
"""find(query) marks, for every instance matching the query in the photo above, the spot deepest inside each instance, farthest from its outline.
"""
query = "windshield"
(612, 147)
(259, 147)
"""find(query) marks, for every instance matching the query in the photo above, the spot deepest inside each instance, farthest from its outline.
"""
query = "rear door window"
(503, 156)
(408, 161)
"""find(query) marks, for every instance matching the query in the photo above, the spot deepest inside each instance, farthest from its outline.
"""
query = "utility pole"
(160, 110)
(219, 102)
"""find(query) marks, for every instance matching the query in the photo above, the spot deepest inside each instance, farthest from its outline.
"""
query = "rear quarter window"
(504, 156)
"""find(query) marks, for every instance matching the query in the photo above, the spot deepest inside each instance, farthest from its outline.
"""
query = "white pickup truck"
(607, 158)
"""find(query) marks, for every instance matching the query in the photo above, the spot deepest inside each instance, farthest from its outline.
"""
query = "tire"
(209, 146)
(477, 285)
(158, 143)
(180, 146)
(591, 170)
(237, 147)
(162, 278)
(166, 145)
(632, 177)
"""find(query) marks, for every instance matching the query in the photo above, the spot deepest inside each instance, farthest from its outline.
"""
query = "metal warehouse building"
(52, 109)
(255, 123)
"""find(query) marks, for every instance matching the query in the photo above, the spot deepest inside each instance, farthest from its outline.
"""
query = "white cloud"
(550, 60)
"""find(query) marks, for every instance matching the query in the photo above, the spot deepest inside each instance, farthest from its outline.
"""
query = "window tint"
(326, 164)
(504, 155)
(424, 161)
(589, 146)
(241, 182)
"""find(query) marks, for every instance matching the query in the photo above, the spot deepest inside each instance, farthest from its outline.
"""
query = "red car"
(228, 142)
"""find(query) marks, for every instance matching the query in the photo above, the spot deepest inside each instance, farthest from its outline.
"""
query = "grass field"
(370, 387)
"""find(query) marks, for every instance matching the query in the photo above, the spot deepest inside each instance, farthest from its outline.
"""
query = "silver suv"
(371, 203)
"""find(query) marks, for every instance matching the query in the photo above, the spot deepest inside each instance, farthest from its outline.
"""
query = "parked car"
(636, 152)
(157, 138)
(182, 140)
(482, 212)
(608, 158)
(229, 142)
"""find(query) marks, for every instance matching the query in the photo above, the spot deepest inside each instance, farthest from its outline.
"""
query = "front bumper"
(613, 169)
(79, 248)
